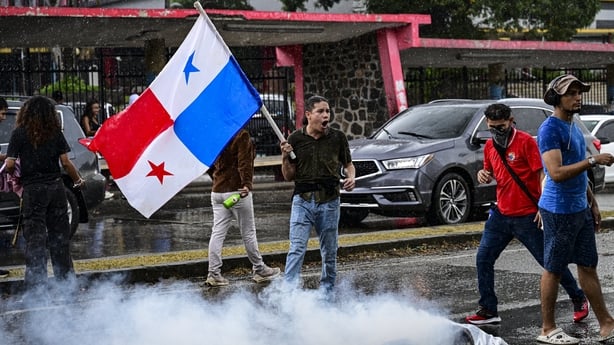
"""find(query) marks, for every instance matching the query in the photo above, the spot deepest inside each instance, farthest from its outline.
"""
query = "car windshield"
(590, 124)
(430, 122)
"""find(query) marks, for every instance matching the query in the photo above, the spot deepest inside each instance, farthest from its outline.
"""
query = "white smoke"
(179, 314)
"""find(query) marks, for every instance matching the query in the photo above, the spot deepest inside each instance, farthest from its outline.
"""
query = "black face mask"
(500, 136)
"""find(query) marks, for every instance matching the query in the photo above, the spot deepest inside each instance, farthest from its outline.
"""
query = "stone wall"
(348, 74)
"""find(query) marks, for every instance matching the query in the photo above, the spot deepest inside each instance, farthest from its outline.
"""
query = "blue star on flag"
(189, 68)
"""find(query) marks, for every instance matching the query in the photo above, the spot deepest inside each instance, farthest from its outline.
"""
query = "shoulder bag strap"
(513, 174)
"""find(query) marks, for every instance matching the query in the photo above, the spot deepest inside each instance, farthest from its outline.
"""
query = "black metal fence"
(111, 75)
(426, 84)
(106, 76)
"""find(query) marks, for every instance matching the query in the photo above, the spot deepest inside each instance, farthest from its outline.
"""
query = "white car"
(602, 127)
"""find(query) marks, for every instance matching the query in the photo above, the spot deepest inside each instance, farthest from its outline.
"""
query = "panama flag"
(176, 129)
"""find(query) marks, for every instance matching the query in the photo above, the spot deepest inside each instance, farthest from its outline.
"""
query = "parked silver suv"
(424, 161)
(79, 201)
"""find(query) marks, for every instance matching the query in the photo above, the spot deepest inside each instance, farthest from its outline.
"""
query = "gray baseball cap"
(561, 84)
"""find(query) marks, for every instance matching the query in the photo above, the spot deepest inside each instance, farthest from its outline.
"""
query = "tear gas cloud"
(179, 314)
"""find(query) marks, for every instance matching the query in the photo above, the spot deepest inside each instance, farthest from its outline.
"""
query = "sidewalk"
(187, 264)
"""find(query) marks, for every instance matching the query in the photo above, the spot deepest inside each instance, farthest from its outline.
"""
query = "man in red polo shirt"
(516, 213)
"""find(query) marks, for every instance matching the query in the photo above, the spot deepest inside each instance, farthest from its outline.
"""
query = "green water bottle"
(232, 200)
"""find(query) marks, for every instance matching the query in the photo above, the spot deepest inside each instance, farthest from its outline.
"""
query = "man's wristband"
(78, 183)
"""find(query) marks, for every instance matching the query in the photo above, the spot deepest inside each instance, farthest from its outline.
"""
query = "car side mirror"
(481, 137)
(604, 140)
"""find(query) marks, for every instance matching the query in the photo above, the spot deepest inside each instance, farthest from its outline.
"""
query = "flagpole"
(280, 136)
(263, 109)
(201, 10)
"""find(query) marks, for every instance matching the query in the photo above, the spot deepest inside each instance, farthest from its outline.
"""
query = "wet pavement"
(115, 229)
(431, 268)
(389, 294)
(184, 224)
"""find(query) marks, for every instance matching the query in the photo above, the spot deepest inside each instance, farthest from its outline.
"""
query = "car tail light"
(597, 144)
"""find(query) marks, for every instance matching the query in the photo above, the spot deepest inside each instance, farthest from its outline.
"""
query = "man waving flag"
(177, 127)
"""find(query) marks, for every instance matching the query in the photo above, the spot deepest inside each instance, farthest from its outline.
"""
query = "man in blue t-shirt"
(569, 211)
(515, 215)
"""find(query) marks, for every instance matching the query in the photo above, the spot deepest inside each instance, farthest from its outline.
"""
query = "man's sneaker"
(266, 274)
(482, 317)
(4, 273)
(580, 309)
(216, 279)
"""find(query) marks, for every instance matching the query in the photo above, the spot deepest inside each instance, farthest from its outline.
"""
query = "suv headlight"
(407, 163)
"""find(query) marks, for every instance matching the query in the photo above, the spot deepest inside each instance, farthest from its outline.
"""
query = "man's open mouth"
(324, 123)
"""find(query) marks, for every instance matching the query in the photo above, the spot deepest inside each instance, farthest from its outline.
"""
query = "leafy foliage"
(527, 19)
(449, 18)
(299, 5)
(219, 4)
(549, 19)
(68, 85)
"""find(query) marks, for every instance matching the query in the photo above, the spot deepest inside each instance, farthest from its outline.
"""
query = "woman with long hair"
(38, 142)
(89, 120)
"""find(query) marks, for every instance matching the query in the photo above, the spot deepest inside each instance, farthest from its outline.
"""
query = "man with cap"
(515, 215)
(569, 211)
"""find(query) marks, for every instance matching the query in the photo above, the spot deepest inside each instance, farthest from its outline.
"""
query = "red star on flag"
(158, 171)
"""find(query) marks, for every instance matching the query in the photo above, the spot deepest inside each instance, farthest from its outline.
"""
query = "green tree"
(528, 19)
(449, 18)
(555, 20)
(219, 4)
(299, 5)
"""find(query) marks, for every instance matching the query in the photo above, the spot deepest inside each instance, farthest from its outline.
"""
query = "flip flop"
(607, 338)
(557, 336)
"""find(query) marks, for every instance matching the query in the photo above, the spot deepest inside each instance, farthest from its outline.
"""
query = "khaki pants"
(243, 213)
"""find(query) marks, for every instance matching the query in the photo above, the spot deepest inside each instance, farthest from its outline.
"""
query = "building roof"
(23, 27)
(512, 54)
(122, 27)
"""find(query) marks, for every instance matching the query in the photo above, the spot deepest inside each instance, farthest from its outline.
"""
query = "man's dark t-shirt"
(39, 164)
(318, 163)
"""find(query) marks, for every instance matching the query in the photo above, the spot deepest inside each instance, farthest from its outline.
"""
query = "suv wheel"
(451, 202)
(73, 210)
(353, 216)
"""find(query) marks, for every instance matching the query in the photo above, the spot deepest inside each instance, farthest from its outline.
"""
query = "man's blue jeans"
(499, 230)
(324, 217)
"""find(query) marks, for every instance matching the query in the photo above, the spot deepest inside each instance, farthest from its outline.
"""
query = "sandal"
(607, 339)
(557, 336)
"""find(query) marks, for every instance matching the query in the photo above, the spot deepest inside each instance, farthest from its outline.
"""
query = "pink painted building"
(382, 45)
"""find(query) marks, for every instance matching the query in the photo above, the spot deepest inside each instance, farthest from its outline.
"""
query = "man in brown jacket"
(233, 173)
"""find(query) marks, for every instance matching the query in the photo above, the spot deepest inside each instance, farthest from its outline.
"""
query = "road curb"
(198, 268)
(265, 191)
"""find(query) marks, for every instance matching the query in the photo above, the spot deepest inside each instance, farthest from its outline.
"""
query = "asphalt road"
(384, 276)
(383, 297)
